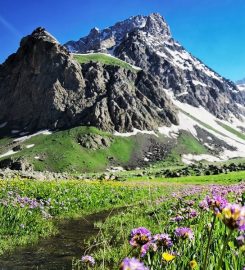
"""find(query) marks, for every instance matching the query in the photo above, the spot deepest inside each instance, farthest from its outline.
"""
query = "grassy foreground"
(29, 209)
(181, 230)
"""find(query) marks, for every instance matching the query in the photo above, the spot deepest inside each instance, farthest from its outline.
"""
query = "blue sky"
(212, 30)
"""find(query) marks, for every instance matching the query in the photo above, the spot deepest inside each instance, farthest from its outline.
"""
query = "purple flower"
(184, 233)
(88, 260)
(139, 237)
(193, 213)
(177, 218)
(217, 203)
(132, 264)
(203, 205)
(148, 247)
(162, 240)
(240, 240)
(233, 215)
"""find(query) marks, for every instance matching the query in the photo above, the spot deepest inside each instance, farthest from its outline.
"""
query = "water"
(57, 252)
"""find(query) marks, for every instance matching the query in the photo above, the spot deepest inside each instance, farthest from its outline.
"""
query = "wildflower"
(193, 213)
(233, 216)
(193, 264)
(88, 260)
(177, 218)
(240, 240)
(163, 240)
(184, 233)
(148, 247)
(167, 257)
(139, 237)
(132, 264)
(217, 204)
(203, 205)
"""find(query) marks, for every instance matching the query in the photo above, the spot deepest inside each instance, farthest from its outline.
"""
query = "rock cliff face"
(42, 86)
(146, 41)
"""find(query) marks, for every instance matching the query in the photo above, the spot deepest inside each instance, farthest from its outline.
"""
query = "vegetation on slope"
(104, 59)
(61, 151)
(232, 130)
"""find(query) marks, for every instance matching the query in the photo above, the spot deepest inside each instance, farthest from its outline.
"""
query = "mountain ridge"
(164, 54)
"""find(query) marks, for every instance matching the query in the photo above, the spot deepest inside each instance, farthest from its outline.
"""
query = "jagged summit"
(39, 34)
(106, 40)
(155, 24)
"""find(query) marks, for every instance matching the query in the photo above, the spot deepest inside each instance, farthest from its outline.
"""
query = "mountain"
(132, 80)
(146, 42)
(42, 86)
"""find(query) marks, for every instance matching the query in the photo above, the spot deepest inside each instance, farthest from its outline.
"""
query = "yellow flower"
(167, 256)
(193, 264)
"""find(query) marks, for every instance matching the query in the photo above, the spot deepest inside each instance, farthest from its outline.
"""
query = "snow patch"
(30, 146)
(189, 158)
(241, 87)
(3, 124)
(24, 138)
(9, 153)
(134, 132)
(195, 82)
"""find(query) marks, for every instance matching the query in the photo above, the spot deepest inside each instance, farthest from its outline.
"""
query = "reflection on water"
(57, 252)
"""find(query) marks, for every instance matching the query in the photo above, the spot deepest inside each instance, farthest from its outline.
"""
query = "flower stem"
(223, 250)
(208, 245)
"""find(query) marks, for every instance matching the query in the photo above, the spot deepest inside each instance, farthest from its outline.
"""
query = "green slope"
(232, 130)
(104, 59)
(60, 151)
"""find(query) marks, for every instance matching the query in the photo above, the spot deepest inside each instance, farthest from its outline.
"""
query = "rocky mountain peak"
(155, 24)
(94, 32)
(39, 34)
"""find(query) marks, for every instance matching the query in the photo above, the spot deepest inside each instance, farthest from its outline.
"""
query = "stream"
(56, 252)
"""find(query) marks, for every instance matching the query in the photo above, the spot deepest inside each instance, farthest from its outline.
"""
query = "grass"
(30, 209)
(232, 130)
(61, 151)
(230, 178)
(104, 59)
(156, 216)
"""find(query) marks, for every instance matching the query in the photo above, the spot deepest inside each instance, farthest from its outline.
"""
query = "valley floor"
(31, 210)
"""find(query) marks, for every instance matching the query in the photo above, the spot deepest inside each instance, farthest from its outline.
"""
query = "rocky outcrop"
(94, 141)
(43, 87)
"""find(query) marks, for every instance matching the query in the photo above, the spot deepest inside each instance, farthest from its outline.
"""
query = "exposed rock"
(41, 87)
(94, 141)
(16, 164)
